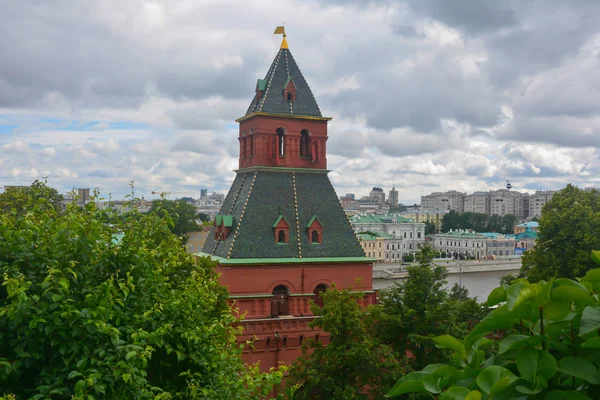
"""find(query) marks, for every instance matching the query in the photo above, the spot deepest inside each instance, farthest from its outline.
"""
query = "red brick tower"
(281, 236)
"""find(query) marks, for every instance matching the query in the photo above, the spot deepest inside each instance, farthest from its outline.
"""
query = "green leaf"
(74, 374)
(497, 296)
(540, 384)
(473, 395)
(592, 277)
(513, 292)
(410, 386)
(566, 395)
(580, 368)
(510, 342)
(449, 342)
(494, 379)
(533, 363)
(455, 393)
(130, 355)
(569, 290)
(595, 258)
(126, 377)
(590, 320)
(537, 293)
(592, 343)
(557, 310)
(79, 385)
(64, 282)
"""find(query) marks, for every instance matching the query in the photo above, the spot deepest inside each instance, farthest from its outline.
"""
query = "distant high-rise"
(203, 193)
(393, 197)
(84, 195)
(379, 194)
(448, 201)
(537, 201)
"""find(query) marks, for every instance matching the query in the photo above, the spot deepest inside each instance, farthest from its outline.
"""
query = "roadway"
(479, 277)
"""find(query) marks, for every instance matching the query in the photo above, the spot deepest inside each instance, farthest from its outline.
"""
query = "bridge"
(479, 277)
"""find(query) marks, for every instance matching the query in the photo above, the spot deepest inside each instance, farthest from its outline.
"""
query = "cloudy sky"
(425, 94)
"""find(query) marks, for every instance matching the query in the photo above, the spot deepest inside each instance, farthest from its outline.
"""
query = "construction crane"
(163, 195)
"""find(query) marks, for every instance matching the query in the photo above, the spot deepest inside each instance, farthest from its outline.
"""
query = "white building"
(478, 202)
(537, 201)
(461, 243)
(447, 201)
(506, 202)
(382, 247)
(411, 234)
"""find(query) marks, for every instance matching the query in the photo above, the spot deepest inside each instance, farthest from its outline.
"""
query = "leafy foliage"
(420, 308)
(85, 315)
(549, 346)
(183, 215)
(18, 199)
(569, 229)
(478, 222)
(351, 365)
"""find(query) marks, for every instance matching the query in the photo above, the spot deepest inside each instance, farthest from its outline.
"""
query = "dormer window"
(222, 226)
(314, 229)
(289, 90)
(281, 230)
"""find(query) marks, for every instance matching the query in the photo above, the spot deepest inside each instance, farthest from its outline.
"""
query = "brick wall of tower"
(278, 340)
(258, 142)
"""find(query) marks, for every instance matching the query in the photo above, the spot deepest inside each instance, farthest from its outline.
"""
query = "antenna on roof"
(508, 185)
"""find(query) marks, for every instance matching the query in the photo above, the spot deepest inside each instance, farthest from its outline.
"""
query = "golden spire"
(280, 30)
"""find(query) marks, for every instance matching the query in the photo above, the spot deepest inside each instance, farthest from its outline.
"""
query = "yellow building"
(431, 216)
(373, 245)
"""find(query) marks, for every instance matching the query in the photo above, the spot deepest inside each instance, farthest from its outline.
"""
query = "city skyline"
(101, 95)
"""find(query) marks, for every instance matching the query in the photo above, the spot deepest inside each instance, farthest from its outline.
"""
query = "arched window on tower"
(279, 304)
(251, 144)
(280, 141)
(304, 144)
(318, 294)
(244, 145)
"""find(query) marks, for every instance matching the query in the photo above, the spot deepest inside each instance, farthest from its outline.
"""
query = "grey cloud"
(472, 16)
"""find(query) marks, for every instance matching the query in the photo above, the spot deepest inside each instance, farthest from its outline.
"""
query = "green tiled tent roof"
(378, 219)
(282, 70)
(272, 195)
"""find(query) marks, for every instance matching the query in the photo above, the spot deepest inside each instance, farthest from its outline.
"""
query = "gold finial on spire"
(280, 30)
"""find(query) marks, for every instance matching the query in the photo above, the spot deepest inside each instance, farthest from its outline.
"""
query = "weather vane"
(280, 30)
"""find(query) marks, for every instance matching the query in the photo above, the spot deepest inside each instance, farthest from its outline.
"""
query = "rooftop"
(530, 224)
(284, 70)
(378, 219)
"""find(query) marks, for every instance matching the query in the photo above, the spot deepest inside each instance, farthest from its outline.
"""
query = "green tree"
(508, 223)
(429, 228)
(19, 199)
(549, 347)
(569, 229)
(451, 220)
(183, 215)
(418, 309)
(351, 365)
(118, 310)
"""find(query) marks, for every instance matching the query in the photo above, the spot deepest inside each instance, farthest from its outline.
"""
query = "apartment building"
(537, 201)
(478, 202)
(447, 201)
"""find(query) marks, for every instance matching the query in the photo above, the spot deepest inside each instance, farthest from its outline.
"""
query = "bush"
(87, 314)
(549, 347)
